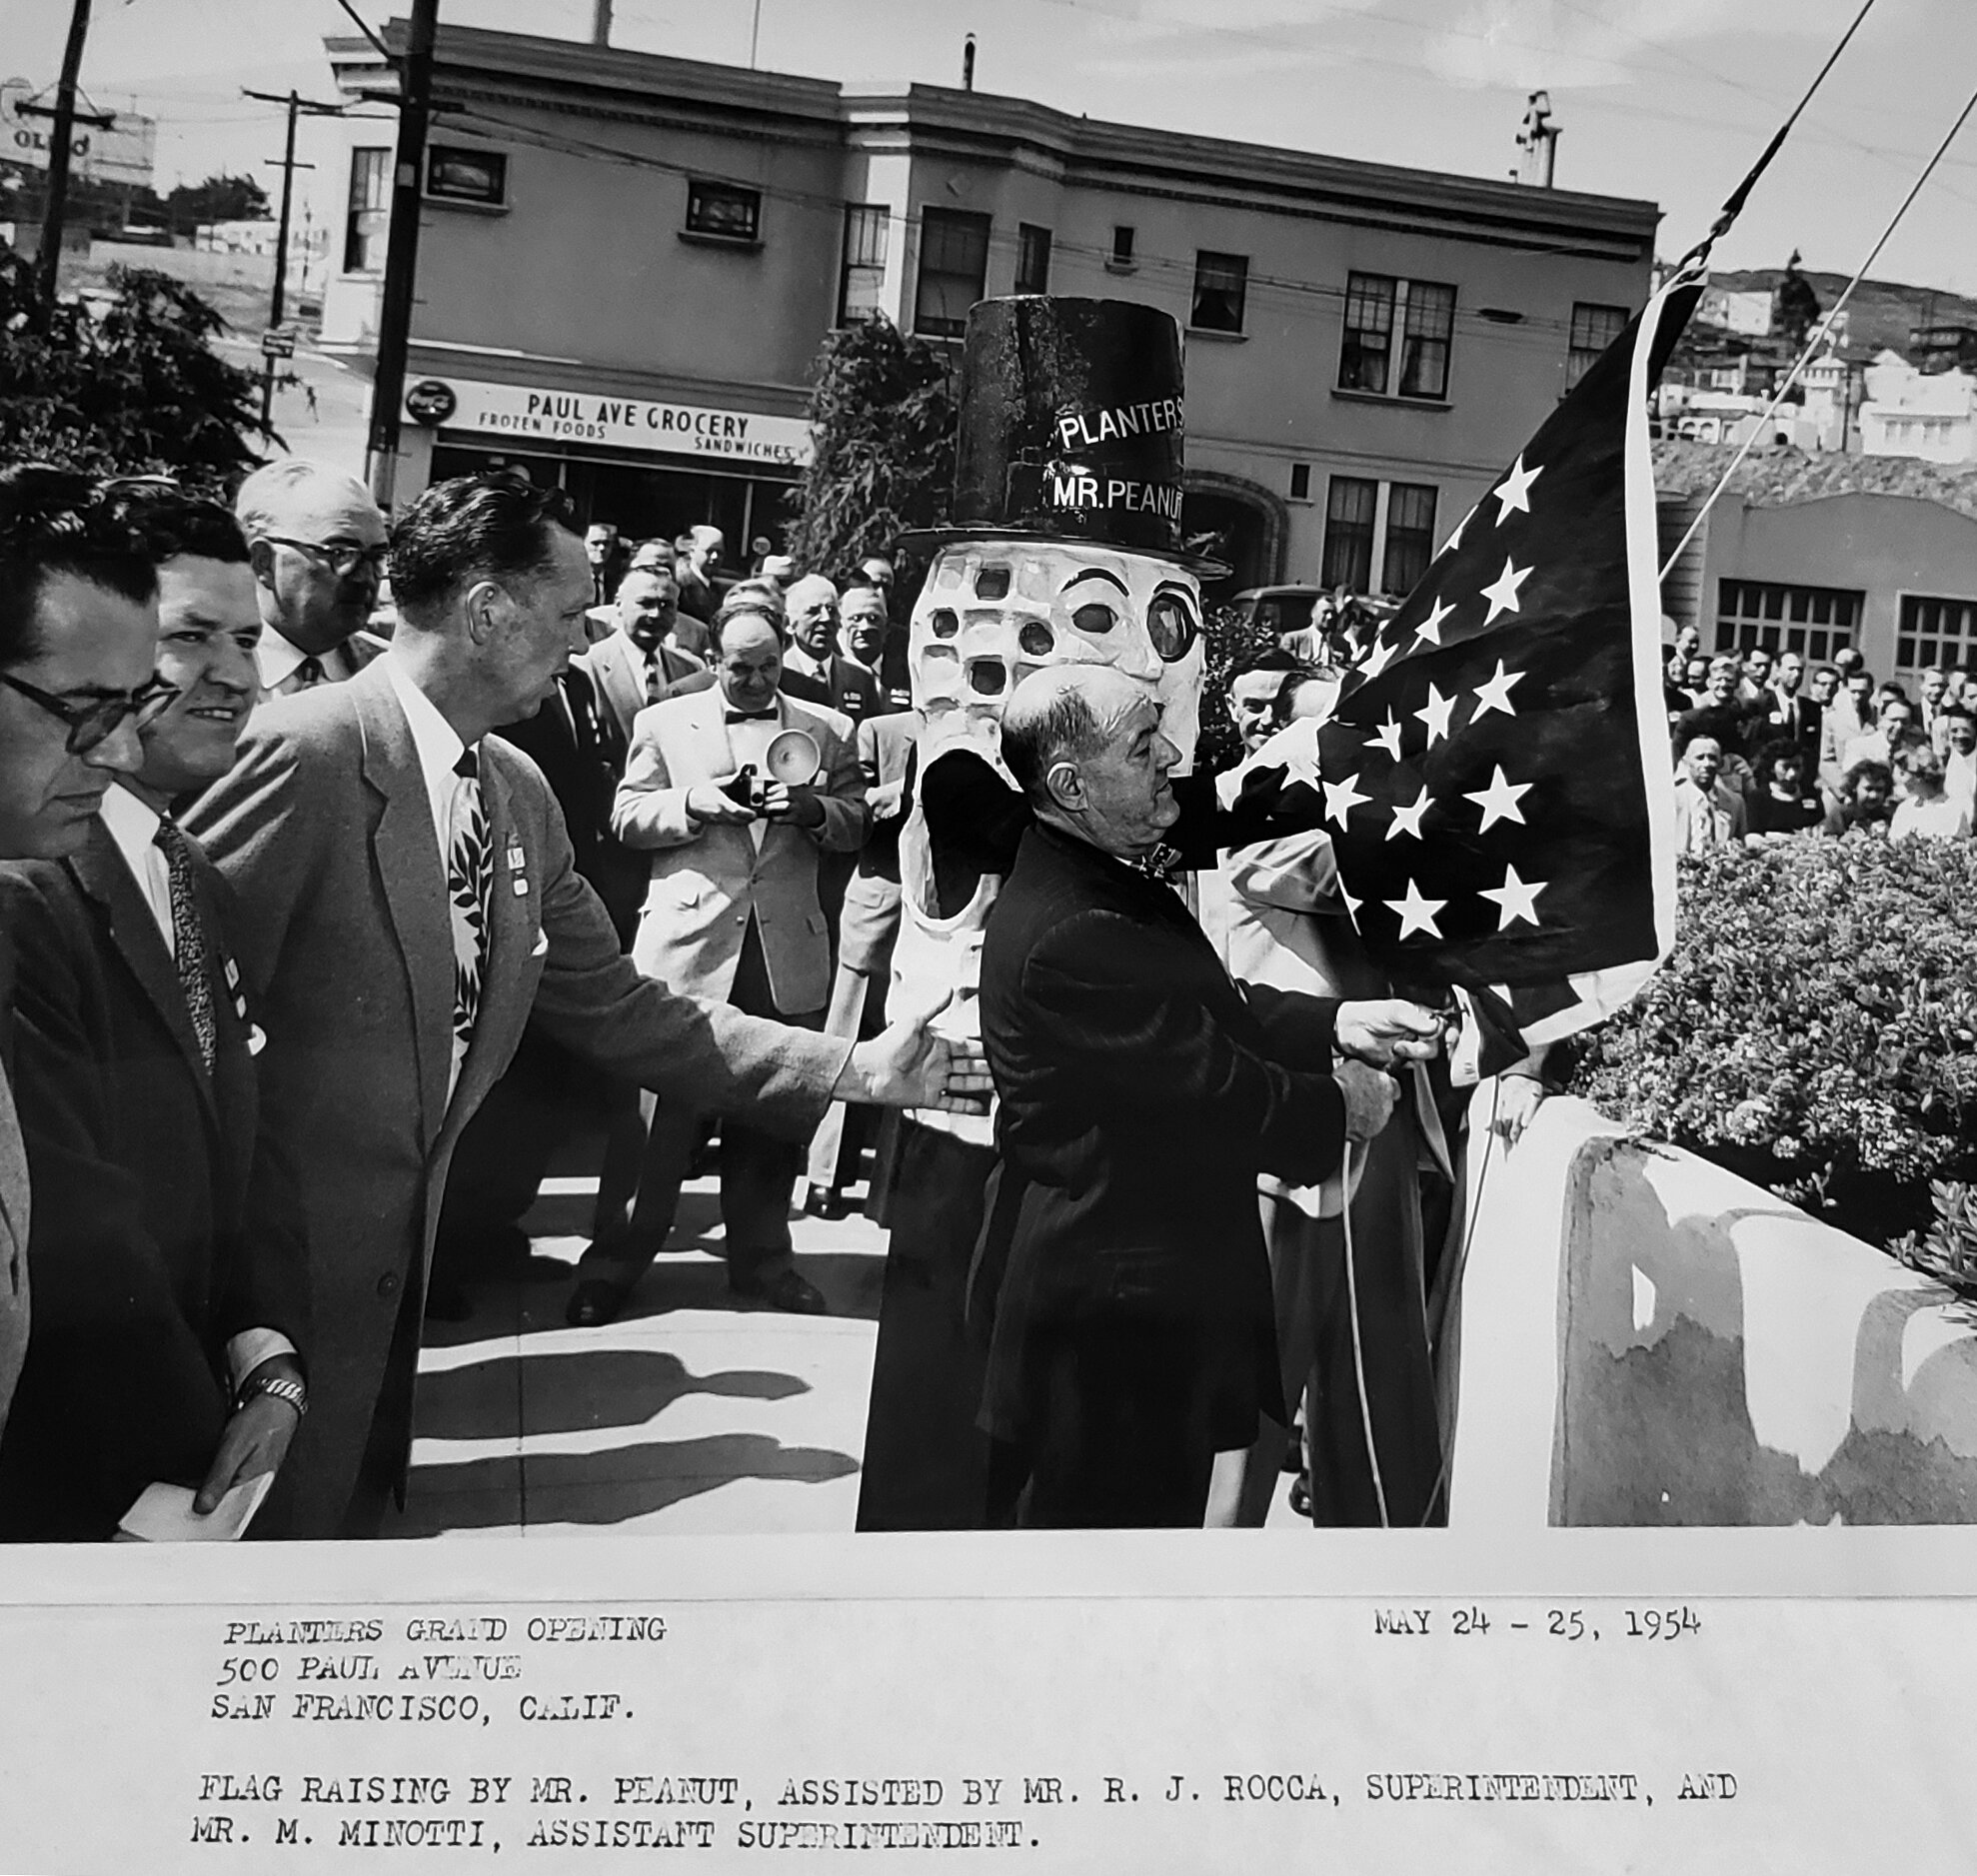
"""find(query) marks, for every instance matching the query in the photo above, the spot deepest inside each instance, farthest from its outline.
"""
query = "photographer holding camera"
(735, 790)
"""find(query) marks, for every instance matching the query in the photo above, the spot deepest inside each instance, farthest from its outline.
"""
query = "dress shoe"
(785, 1289)
(593, 1302)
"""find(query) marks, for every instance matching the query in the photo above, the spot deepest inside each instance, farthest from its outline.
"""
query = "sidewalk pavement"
(694, 1412)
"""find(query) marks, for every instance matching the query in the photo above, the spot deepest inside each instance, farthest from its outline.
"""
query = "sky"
(1666, 100)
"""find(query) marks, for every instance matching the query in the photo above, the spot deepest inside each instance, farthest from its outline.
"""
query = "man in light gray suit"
(407, 904)
(78, 626)
(731, 912)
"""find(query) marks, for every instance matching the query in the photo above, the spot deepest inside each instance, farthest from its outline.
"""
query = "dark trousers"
(759, 1170)
(1124, 1426)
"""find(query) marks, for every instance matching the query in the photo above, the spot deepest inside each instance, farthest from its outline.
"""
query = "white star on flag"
(1436, 713)
(1408, 820)
(1417, 913)
(1516, 899)
(1430, 627)
(1343, 796)
(1501, 592)
(1498, 801)
(1494, 693)
(1387, 735)
(1379, 658)
(1515, 488)
(1456, 540)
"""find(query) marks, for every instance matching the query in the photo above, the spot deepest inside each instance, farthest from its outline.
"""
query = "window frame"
(1210, 261)
(353, 236)
(862, 217)
(1417, 537)
(1582, 352)
(974, 222)
(1343, 533)
(1416, 332)
(440, 154)
(1815, 621)
(1950, 625)
(1032, 258)
(695, 225)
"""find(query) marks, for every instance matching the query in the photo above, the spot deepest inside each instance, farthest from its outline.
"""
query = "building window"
(1814, 622)
(1033, 259)
(1350, 508)
(1221, 283)
(1409, 536)
(1594, 328)
(1935, 633)
(1422, 312)
(723, 211)
(1121, 247)
(370, 212)
(954, 263)
(861, 282)
(457, 175)
(1300, 481)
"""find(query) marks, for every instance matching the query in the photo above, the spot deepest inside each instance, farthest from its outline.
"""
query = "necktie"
(751, 715)
(655, 676)
(467, 876)
(188, 939)
(309, 672)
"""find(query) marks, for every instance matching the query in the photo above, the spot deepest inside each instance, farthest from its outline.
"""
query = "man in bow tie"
(731, 913)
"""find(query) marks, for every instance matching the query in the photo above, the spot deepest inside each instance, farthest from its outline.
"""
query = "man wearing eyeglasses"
(409, 905)
(318, 546)
(76, 629)
(167, 1242)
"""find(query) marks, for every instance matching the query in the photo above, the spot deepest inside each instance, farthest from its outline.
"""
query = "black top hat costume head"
(1072, 428)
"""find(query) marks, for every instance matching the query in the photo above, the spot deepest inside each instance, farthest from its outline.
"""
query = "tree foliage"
(883, 415)
(129, 388)
(217, 199)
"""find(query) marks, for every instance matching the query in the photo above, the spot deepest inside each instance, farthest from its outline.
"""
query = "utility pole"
(48, 257)
(296, 105)
(415, 103)
(601, 23)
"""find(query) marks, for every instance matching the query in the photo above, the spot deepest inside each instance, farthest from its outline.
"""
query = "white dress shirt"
(749, 742)
(133, 826)
(279, 661)
(795, 658)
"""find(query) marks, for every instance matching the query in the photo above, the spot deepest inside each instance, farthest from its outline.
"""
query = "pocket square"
(540, 947)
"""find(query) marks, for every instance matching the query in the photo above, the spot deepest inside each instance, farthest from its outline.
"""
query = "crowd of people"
(297, 951)
(1767, 746)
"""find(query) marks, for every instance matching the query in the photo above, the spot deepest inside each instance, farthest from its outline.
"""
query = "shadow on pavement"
(572, 1392)
(851, 1283)
(611, 1486)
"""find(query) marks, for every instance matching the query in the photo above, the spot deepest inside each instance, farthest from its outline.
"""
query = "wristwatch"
(280, 1386)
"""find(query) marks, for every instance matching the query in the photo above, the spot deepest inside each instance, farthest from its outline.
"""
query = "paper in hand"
(162, 1514)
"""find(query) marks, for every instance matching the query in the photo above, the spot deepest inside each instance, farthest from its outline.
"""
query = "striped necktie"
(188, 939)
(468, 877)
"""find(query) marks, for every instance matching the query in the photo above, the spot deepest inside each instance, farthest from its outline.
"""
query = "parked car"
(1281, 609)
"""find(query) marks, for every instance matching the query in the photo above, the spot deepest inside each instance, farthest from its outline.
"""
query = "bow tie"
(1161, 863)
(753, 716)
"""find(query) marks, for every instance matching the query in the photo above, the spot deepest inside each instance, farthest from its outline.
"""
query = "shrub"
(1818, 1017)
(1229, 638)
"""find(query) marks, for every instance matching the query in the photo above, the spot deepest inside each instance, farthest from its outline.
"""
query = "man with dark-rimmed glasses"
(317, 547)
(77, 624)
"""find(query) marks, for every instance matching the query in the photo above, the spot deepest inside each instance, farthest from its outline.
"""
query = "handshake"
(1376, 1037)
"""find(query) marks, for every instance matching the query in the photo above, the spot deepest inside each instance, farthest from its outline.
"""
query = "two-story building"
(627, 265)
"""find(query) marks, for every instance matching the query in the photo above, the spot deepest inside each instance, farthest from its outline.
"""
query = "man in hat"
(731, 917)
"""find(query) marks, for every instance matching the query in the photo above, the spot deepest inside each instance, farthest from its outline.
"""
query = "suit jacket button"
(388, 1283)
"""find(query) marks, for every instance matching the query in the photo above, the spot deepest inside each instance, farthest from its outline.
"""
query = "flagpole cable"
(1818, 338)
(1358, 1342)
(1474, 1208)
(1733, 206)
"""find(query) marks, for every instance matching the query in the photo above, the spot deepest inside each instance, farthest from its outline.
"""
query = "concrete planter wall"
(1647, 1340)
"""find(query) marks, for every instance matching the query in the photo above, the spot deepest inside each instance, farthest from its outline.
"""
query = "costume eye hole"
(1096, 619)
(987, 678)
(992, 582)
(1037, 639)
(1171, 625)
(945, 624)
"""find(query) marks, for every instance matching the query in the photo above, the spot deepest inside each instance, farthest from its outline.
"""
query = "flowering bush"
(1816, 1024)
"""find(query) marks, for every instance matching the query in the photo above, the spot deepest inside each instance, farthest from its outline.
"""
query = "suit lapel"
(405, 849)
(106, 880)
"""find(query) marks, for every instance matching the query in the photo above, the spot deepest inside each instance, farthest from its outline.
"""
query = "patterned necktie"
(655, 676)
(188, 939)
(468, 876)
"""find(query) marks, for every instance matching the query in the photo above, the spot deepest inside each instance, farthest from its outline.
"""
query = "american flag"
(1496, 779)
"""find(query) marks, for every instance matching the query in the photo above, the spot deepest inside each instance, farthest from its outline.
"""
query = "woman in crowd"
(1866, 799)
(1782, 800)
(1924, 808)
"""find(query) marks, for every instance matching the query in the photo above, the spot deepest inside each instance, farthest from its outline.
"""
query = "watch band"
(280, 1386)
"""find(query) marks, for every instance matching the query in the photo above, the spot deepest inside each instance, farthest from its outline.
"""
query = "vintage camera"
(746, 788)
